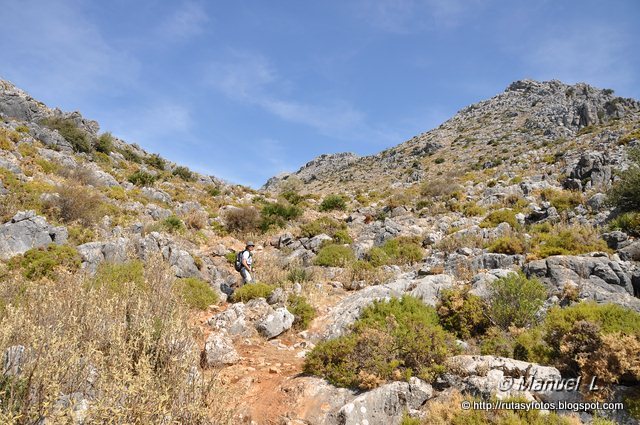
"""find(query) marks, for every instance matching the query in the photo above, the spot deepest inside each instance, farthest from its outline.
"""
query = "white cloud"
(190, 19)
(252, 79)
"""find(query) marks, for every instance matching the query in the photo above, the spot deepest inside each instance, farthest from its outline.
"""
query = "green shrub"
(401, 250)
(499, 216)
(471, 209)
(231, 257)
(184, 173)
(292, 196)
(38, 263)
(68, 129)
(507, 245)
(117, 277)
(250, 291)
(569, 240)
(393, 339)
(342, 237)
(439, 188)
(302, 311)
(625, 193)
(334, 256)
(462, 313)
(628, 222)
(104, 144)
(529, 346)
(496, 342)
(515, 300)
(196, 293)
(562, 200)
(130, 155)
(213, 191)
(278, 214)
(142, 178)
(325, 225)
(333, 202)
(155, 161)
(439, 160)
(173, 224)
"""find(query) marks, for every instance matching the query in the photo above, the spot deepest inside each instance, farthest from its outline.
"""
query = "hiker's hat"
(250, 243)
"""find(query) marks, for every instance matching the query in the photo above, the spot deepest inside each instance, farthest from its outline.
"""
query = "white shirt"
(246, 256)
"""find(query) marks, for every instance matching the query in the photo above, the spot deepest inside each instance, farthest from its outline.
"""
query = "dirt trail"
(268, 369)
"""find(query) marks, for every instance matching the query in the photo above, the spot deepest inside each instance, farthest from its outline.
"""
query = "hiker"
(244, 259)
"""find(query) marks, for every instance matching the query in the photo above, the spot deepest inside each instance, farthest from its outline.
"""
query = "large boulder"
(597, 277)
(275, 323)
(25, 231)
(386, 404)
(94, 253)
(219, 351)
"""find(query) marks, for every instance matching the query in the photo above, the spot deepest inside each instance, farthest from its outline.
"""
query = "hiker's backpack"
(238, 263)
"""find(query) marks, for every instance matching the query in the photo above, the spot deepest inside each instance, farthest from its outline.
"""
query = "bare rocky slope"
(117, 300)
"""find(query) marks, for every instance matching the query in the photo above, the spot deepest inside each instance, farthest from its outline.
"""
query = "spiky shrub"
(568, 240)
(156, 161)
(131, 354)
(277, 214)
(392, 340)
(333, 202)
(628, 222)
(173, 224)
(76, 203)
(509, 244)
(325, 225)
(515, 299)
(196, 293)
(334, 256)
(401, 251)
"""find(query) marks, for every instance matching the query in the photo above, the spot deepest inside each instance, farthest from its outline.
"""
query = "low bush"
(500, 216)
(514, 300)
(628, 222)
(568, 240)
(333, 255)
(325, 225)
(392, 340)
(117, 279)
(562, 200)
(196, 293)
(77, 138)
(625, 193)
(400, 251)
(172, 224)
(439, 188)
(104, 144)
(509, 244)
(496, 342)
(142, 178)
(246, 219)
(130, 155)
(299, 275)
(184, 173)
(156, 161)
(333, 202)
(342, 237)
(76, 203)
(462, 313)
(302, 311)
(251, 291)
(38, 263)
(278, 214)
(292, 196)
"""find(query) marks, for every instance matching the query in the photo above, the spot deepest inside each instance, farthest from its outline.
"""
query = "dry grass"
(132, 354)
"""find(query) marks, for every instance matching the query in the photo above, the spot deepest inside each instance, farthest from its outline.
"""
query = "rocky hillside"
(525, 124)
(501, 248)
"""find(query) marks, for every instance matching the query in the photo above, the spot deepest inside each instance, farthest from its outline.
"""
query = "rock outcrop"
(25, 231)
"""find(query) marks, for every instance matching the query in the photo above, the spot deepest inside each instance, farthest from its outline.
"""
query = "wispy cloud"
(409, 16)
(188, 20)
(60, 52)
(252, 79)
(599, 55)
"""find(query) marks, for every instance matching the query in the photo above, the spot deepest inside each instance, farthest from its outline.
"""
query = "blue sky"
(245, 90)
